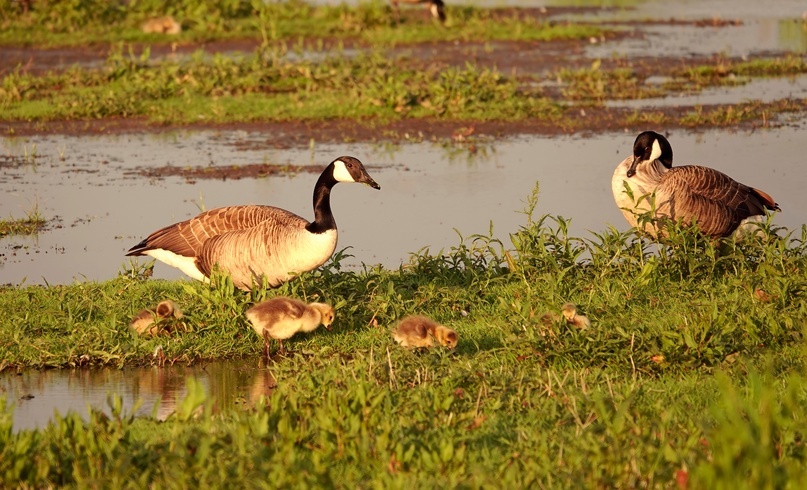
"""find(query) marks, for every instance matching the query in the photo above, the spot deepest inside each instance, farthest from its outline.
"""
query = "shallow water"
(427, 192)
(151, 391)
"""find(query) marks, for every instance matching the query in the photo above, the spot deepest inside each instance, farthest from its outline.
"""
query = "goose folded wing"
(187, 237)
(716, 201)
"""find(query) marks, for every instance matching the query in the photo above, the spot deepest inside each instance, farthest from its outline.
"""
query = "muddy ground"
(512, 58)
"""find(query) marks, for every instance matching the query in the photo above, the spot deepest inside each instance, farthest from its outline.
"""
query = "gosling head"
(650, 146)
(167, 308)
(326, 313)
(569, 311)
(445, 336)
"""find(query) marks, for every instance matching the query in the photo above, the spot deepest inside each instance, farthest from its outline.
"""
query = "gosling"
(161, 25)
(569, 311)
(148, 321)
(280, 318)
(420, 331)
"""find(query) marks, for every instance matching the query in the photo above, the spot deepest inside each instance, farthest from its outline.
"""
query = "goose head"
(650, 146)
(350, 169)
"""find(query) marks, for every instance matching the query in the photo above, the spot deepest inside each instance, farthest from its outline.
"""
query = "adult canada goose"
(420, 331)
(717, 203)
(252, 242)
(434, 7)
(280, 318)
(147, 321)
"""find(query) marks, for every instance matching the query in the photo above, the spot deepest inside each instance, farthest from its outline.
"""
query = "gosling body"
(148, 320)
(420, 331)
(280, 318)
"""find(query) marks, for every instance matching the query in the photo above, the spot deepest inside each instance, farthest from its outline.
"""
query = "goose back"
(278, 248)
(717, 203)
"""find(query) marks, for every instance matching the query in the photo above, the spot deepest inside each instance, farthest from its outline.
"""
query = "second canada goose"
(420, 331)
(280, 318)
(435, 7)
(147, 321)
(252, 242)
(718, 204)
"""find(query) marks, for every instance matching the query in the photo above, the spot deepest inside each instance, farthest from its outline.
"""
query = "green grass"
(87, 22)
(693, 369)
(262, 87)
(30, 225)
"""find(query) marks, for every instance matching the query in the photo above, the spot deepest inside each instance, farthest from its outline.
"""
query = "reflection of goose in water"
(163, 386)
(263, 385)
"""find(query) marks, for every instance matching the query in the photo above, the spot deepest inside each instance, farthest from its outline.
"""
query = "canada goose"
(421, 331)
(280, 318)
(161, 25)
(434, 7)
(569, 311)
(147, 321)
(252, 241)
(717, 203)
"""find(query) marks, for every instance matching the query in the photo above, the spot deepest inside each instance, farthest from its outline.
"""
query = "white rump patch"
(340, 172)
(185, 264)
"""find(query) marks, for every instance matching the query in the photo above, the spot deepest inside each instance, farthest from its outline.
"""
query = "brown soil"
(512, 58)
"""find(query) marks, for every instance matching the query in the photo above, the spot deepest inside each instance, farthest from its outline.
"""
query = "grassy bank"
(88, 22)
(268, 86)
(692, 371)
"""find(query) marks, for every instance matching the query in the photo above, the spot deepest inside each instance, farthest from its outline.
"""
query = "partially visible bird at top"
(435, 8)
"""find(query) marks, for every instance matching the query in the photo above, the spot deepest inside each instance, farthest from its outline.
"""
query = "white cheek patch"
(656, 153)
(340, 172)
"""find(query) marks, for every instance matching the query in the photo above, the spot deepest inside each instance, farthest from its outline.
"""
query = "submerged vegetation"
(692, 371)
(29, 225)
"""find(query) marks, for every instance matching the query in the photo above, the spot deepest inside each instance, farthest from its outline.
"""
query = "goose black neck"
(323, 217)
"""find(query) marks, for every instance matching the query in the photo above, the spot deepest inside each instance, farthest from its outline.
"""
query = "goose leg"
(396, 11)
(265, 345)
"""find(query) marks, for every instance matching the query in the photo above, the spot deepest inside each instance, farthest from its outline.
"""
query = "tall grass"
(692, 374)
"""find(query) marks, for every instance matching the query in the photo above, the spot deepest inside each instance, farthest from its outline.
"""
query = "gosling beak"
(328, 327)
(632, 169)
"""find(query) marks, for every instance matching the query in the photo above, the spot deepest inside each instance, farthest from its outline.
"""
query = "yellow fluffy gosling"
(420, 331)
(569, 311)
(280, 318)
(148, 321)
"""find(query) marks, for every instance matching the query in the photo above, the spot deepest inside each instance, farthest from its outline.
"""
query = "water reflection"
(37, 395)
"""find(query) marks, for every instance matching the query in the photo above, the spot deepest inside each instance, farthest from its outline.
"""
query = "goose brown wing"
(253, 251)
(716, 201)
(187, 237)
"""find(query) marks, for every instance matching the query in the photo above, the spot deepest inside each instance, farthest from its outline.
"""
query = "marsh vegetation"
(690, 375)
